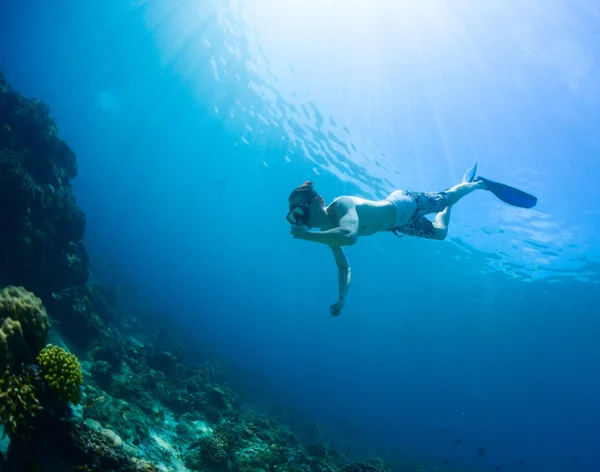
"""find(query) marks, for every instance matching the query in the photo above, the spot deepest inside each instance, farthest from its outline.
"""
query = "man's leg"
(465, 188)
(442, 219)
(441, 222)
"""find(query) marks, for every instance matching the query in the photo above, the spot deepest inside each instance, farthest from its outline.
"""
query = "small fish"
(575, 458)
(521, 462)
(445, 431)
(458, 441)
(481, 451)
(497, 468)
(446, 461)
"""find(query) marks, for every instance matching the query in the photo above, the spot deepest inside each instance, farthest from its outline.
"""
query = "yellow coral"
(18, 404)
(24, 325)
(62, 371)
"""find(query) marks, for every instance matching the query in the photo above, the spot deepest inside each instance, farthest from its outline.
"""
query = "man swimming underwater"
(348, 218)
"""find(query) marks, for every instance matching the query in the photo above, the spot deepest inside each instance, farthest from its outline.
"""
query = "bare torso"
(373, 216)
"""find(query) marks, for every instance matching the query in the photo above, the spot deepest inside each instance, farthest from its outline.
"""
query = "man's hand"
(336, 308)
(299, 231)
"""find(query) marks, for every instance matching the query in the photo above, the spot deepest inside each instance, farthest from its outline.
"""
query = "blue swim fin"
(470, 173)
(512, 196)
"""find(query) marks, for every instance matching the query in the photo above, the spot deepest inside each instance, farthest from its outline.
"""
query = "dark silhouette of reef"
(41, 226)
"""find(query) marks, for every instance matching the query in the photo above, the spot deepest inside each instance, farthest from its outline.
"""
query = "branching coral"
(62, 371)
(216, 449)
(18, 404)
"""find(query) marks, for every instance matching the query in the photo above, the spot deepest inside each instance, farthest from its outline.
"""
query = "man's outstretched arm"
(344, 278)
(337, 236)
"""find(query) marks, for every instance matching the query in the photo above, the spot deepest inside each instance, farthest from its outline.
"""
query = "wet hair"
(307, 192)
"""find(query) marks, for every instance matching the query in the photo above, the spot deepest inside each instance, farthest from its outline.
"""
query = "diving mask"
(299, 213)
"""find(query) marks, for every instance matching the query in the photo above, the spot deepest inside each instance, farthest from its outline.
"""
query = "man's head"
(306, 206)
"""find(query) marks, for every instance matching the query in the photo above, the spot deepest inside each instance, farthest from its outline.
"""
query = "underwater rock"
(102, 375)
(106, 298)
(100, 450)
(162, 361)
(74, 310)
(317, 450)
(109, 349)
(17, 186)
(76, 264)
(197, 384)
(311, 431)
(73, 444)
(112, 439)
(127, 388)
(178, 400)
(362, 467)
(217, 398)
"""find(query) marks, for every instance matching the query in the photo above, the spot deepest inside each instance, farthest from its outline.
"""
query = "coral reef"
(62, 372)
(18, 404)
(32, 390)
(184, 417)
(12, 344)
(24, 327)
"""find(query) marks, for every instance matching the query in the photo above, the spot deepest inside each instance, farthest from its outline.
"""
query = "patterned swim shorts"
(427, 202)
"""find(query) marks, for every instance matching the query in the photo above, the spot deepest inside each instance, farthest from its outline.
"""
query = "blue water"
(193, 121)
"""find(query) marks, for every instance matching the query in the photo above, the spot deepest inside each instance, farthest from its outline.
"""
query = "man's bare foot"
(480, 184)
